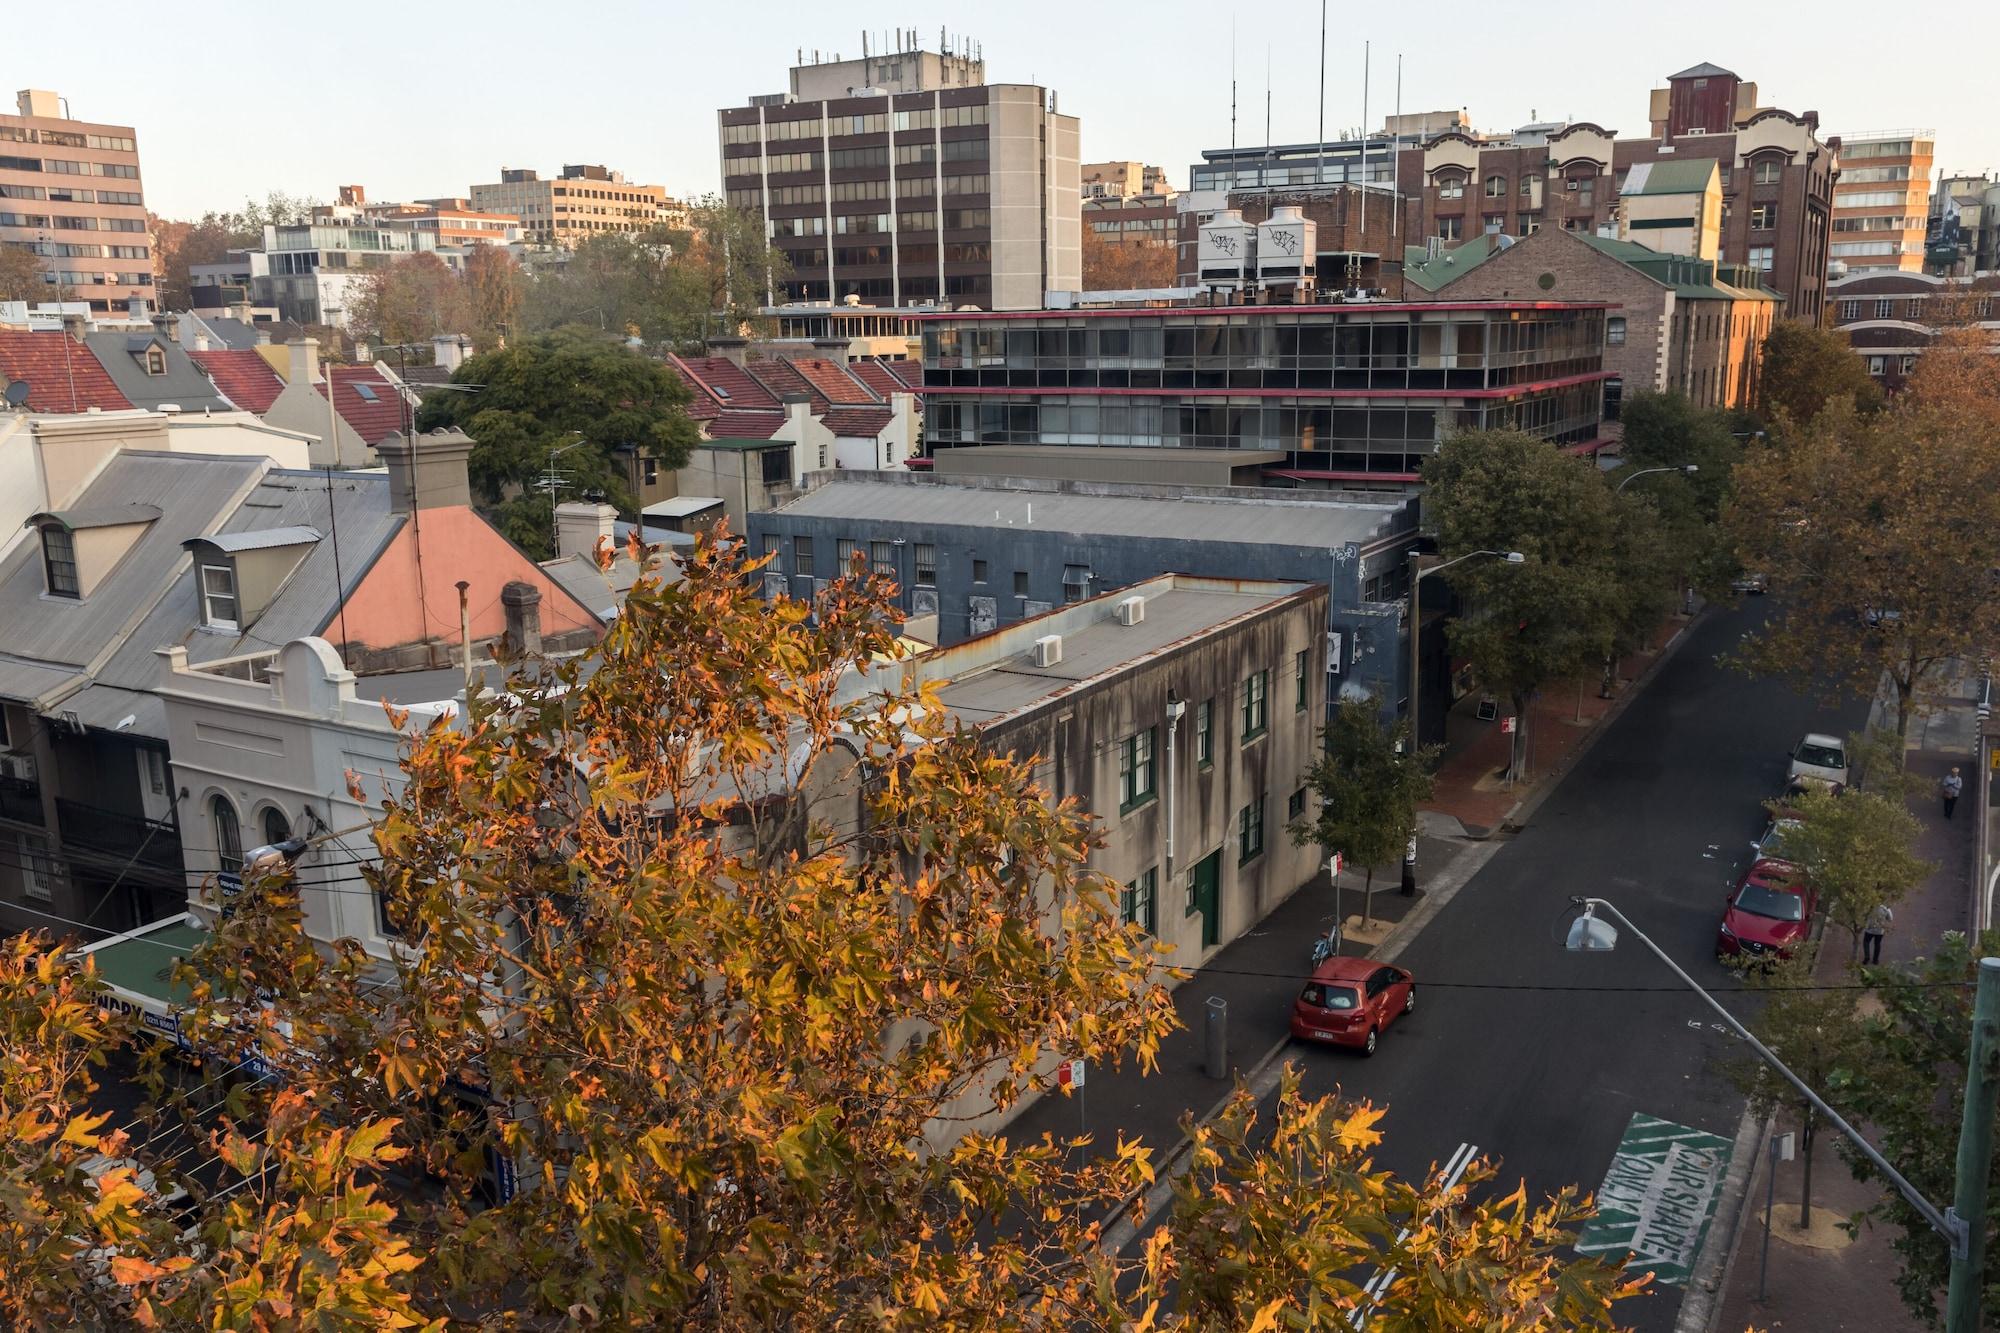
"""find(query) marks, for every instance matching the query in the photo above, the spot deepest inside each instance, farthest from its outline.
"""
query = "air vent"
(1132, 610)
(1048, 650)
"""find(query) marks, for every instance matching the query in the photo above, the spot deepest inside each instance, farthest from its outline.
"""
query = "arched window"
(1451, 187)
(277, 827)
(228, 835)
(1496, 187)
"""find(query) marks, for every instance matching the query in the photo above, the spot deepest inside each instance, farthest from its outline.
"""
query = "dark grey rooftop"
(101, 516)
(183, 385)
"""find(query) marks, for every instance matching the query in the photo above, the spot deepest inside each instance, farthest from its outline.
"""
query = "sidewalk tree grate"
(1658, 1198)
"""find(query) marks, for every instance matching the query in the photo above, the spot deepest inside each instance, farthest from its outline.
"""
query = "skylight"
(367, 393)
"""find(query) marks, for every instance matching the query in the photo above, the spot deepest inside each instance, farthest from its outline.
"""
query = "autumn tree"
(542, 393)
(1857, 849)
(738, 948)
(1879, 535)
(1807, 368)
(411, 300)
(1366, 789)
(21, 275)
(1116, 266)
(492, 300)
(1591, 572)
(180, 243)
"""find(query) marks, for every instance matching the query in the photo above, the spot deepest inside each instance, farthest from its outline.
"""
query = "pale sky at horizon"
(242, 99)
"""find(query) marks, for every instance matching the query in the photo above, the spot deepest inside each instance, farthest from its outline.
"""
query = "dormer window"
(59, 562)
(218, 597)
(156, 359)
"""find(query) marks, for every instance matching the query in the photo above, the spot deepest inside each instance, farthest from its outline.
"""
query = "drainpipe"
(1176, 709)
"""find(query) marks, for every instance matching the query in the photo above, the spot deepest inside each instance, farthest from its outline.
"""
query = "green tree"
(1879, 535)
(1906, 1082)
(1806, 369)
(1857, 850)
(543, 393)
(1366, 789)
(1668, 430)
(1588, 575)
(21, 275)
(740, 963)
(1811, 1028)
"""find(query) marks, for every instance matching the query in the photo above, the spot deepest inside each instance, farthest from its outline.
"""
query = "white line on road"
(1378, 1286)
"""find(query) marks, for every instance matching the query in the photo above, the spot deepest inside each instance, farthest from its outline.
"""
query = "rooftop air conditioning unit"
(1048, 650)
(1132, 610)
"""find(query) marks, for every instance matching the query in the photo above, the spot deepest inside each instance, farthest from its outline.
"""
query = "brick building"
(1891, 316)
(1776, 174)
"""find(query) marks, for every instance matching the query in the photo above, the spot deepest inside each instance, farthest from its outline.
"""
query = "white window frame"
(210, 619)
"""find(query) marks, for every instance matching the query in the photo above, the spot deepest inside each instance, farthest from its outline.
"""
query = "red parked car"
(1769, 913)
(1350, 1000)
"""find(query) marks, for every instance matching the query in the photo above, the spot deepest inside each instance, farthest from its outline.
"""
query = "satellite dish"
(17, 393)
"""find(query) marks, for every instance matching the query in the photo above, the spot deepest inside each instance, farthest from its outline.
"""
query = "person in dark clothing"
(1949, 789)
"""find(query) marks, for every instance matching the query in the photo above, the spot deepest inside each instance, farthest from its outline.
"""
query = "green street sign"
(1658, 1198)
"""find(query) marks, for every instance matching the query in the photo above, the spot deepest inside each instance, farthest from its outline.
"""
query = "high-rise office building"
(69, 191)
(904, 177)
(1881, 203)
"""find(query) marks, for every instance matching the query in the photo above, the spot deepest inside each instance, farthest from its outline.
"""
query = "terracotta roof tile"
(62, 375)
(833, 381)
(242, 376)
(723, 380)
(859, 422)
(877, 375)
(366, 400)
(781, 379)
(761, 425)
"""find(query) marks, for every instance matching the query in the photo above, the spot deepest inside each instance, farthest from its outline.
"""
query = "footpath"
(1820, 1279)
(1258, 974)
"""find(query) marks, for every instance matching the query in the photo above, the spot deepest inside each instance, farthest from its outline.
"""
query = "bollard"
(1215, 1032)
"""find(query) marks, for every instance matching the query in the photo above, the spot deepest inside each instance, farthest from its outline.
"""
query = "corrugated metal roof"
(1275, 522)
(681, 506)
(284, 500)
(36, 682)
(259, 539)
(192, 494)
(108, 708)
(102, 516)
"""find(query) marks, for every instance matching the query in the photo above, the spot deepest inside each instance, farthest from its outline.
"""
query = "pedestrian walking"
(1878, 925)
(1952, 785)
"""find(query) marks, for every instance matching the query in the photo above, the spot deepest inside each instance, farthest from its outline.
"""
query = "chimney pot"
(522, 604)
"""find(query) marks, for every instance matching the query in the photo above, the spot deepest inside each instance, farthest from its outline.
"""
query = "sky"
(249, 98)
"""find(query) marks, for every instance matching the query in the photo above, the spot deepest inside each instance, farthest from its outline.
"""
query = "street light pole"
(1687, 469)
(1963, 1225)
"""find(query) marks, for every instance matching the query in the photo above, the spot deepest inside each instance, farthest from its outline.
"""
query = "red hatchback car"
(1769, 912)
(1350, 1000)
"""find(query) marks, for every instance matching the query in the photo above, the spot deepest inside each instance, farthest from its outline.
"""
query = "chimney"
(74, 326)
(201, 340)
(361, 357)
(168, 327)
(522, 603)
(427, 472)
(448, 350)
(735, 350)
(579, 523)
(263, 336)
(305, 361)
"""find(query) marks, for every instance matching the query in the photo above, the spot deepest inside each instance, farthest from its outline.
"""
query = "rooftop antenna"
(1319, 170)
(1365, 50)
(1396, 150)
(1266, 173)
(1232, 88)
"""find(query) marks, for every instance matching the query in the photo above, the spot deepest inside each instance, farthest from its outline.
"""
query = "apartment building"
(1891, 315)
(1777, 178)
(582, 202)
(70, 193)
(314, 272)
(1965, 225)
(907, 178)
(1881, 201)
(451, 222)
(1124, 180)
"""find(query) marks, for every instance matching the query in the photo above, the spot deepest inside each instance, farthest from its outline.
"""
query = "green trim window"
(1204, 733)
(1135, 770)
(1301, 662)
(1256, 704)
(1139, 902)
(1250, 832)
(1296, 805)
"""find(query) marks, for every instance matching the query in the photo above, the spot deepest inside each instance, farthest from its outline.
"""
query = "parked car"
(1818, 760)
(1770, 844)
(1349, 1001)
(1768, 915)
(1754, 584)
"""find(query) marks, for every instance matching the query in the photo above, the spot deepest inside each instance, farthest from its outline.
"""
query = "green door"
(1204, 894)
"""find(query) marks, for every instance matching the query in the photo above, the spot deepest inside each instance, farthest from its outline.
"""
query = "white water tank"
(1226, 254)
(1287, 242)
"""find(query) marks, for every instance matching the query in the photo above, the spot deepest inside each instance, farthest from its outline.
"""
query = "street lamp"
(1963, 1225)
(1688, 469)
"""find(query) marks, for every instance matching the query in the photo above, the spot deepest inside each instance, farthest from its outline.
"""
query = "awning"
(137, 970)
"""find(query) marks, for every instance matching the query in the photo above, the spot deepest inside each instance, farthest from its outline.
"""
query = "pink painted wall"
(385, 612)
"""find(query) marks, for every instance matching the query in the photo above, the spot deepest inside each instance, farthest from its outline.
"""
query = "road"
(1545, 1077)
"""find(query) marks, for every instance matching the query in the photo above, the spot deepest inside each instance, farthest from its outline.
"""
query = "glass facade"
(1351, 389)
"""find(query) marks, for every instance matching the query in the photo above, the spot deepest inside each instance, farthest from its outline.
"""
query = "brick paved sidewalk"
(1853, 1287)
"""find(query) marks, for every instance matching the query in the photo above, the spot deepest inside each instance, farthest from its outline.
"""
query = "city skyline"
(655, 122)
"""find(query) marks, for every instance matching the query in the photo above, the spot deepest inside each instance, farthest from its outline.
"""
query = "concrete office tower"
(1882, 200)
(904, 177)
(69, 191)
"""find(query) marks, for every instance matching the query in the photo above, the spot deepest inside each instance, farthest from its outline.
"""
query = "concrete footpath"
(1818, 1279)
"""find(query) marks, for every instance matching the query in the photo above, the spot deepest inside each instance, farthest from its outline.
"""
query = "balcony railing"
(145, 842)
(20, 800)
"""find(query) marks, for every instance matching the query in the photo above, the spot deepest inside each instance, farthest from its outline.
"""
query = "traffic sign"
(1507, 725)
(1333, 865)
(1658, 1198)
(1069, 1074)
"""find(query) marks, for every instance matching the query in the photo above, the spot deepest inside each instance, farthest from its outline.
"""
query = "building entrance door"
(1205, 896)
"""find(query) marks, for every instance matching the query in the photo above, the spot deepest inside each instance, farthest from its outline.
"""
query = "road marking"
(1378, 1286)
(1658, 1197)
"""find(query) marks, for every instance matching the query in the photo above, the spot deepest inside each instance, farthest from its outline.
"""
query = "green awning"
(137, 970)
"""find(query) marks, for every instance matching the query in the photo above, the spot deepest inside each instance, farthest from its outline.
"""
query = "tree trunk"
(1805, 1153)
(1368, 898)
(1517, 760)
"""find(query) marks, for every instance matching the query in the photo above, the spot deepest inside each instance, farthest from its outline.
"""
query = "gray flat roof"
(1248, 519)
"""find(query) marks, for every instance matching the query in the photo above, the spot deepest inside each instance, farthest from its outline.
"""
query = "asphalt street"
(1538, 1056)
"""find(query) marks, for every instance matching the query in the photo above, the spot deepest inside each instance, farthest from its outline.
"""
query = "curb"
(1702, 1305)
(1262, 1075)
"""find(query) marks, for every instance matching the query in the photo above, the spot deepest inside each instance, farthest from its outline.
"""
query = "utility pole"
(1975, 1155)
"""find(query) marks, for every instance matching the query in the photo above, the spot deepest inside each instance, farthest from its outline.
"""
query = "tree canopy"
(1366, 789)
(21, 275)
(1808, 369)
(1858, 849)
(740, 967)
(420, 296)
(1667, 430)
(543, 393)
(1116, 266)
